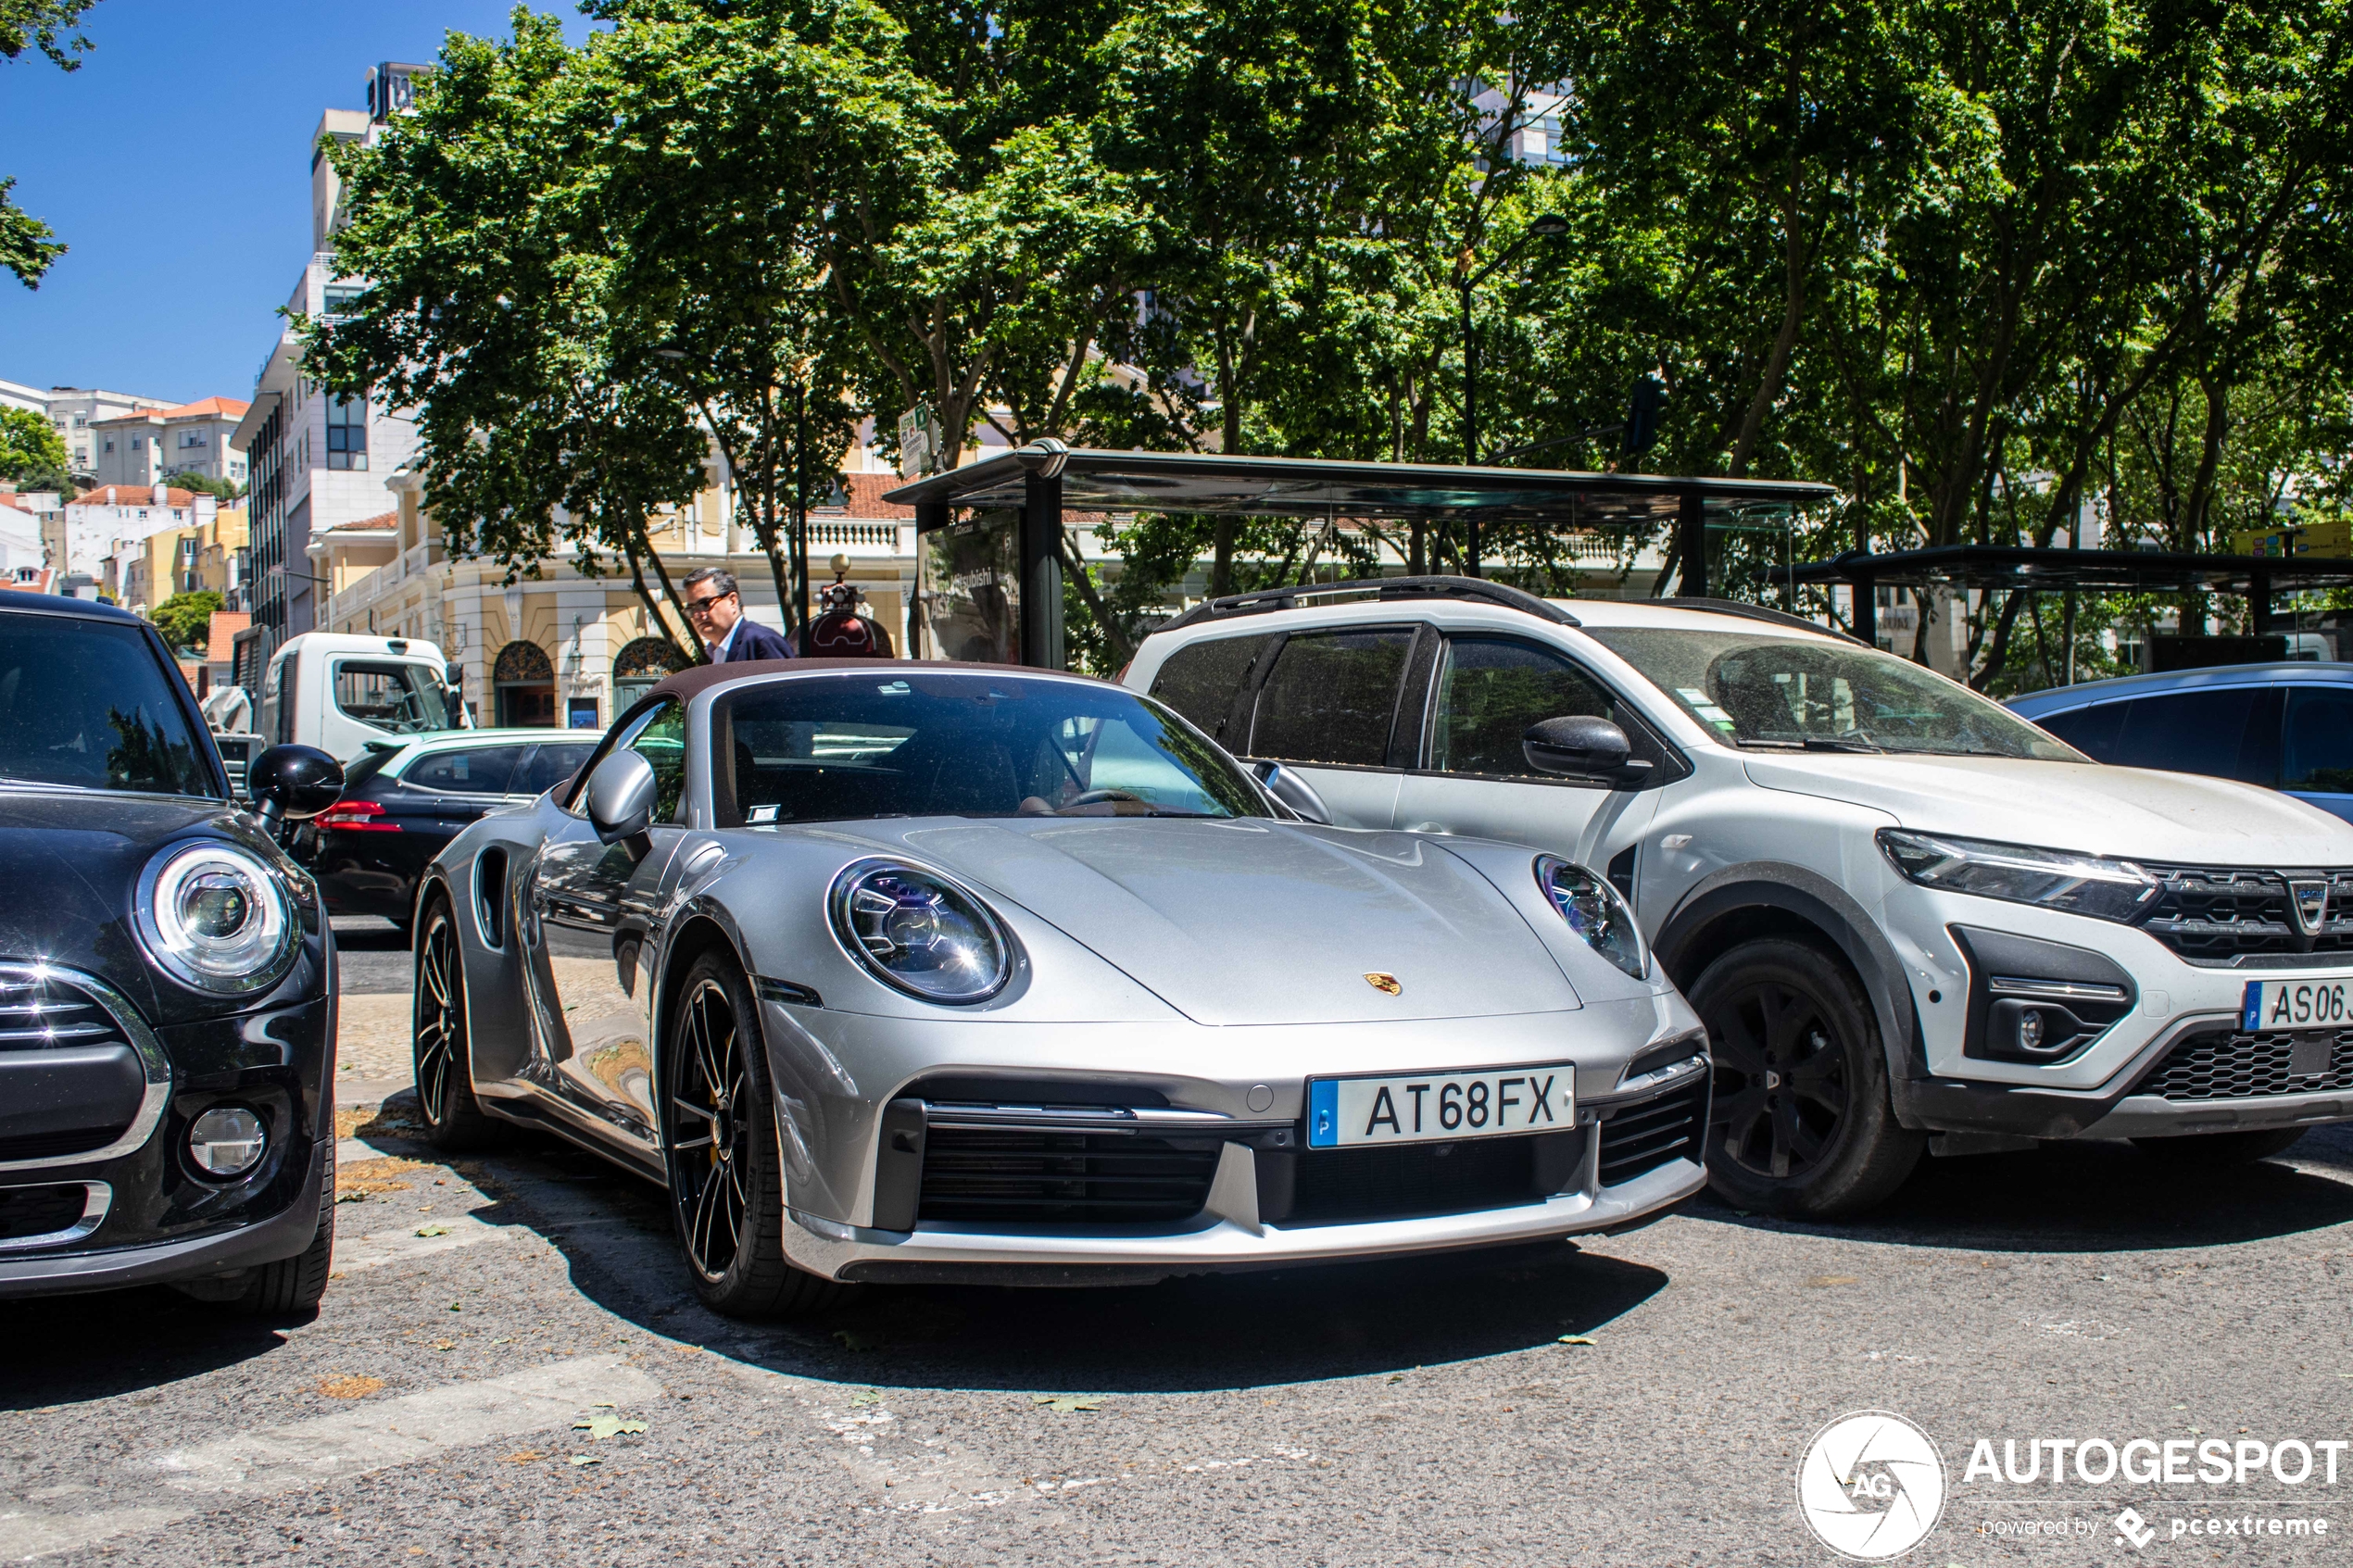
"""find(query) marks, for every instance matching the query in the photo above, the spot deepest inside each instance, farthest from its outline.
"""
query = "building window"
(110, 442)
(342, 297)
(347, 432)
(191, 438)
(523, 682)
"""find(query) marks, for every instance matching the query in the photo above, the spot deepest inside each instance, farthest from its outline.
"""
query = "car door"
(1330, 703)
(1487, 690)
(590, 909)
(2316, 747)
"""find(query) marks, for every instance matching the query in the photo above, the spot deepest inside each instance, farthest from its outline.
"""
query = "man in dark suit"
(717, 611)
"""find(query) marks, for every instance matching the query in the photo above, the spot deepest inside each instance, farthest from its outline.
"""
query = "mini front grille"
(41, 1210)
(1023, 1176)
(1642, 1137)
(2230, 1064)
(38, 1011)
(2232, 915)
(1412, 1180)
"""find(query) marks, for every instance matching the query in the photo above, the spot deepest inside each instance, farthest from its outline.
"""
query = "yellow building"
(181, 560)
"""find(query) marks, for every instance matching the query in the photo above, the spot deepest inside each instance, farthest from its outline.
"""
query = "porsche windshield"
(1758, 689)
(85, 703)
(894, 744)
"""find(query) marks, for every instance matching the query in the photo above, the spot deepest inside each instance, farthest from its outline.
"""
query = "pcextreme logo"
(1870, 1485)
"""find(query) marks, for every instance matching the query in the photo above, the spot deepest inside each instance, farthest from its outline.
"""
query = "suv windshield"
(402, 699)
(1753, 688)
(840, 748)
(85, 703)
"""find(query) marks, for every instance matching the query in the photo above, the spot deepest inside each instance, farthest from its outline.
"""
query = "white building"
(72, 410)
(314, 461)
(99, 522)
(20, 551)
(150, 446)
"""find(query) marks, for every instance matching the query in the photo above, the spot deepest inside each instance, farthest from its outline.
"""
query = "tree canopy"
(27, 244)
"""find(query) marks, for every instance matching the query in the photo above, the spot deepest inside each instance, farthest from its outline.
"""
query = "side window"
(1202, 680)
(662, 741)
(629, 734)
(2188, 732)
(485, 770)
(2317, 756)
(549, 766)
(1332, 697)
(2092, 731)
(1491, 689)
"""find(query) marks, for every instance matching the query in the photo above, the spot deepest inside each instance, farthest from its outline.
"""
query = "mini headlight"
(227, 1141)
(214, 917)
(2081, 884)
(1595, 911)
(921, 932)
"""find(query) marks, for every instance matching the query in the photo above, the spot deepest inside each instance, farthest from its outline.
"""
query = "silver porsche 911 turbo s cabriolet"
(903, 972)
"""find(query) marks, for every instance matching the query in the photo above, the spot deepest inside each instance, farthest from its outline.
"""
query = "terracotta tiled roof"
(132, 496)
(866, 493)
(135, 414)
(385, 520)
(226, 408)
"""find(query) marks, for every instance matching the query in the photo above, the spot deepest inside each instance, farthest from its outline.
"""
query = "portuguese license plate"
(1441, 1107)
(2298, 1004)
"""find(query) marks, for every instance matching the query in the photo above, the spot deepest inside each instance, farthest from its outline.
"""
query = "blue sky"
(176, 163)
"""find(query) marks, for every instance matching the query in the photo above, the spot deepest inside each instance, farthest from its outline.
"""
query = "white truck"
(339, 692)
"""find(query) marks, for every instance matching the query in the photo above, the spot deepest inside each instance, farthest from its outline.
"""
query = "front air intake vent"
(1639, 1137)
(1023, 1176)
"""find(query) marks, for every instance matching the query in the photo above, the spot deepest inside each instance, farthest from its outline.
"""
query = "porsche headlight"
(215, 917)
(1595, 911)
(2081, 884)
(921, 932)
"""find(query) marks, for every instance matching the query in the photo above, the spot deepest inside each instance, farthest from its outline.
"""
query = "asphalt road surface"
(498, 1330)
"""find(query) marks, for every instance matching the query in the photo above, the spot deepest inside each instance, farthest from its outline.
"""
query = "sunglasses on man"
(700, 608)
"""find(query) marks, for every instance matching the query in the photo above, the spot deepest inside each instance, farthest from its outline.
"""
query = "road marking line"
(371, 1436)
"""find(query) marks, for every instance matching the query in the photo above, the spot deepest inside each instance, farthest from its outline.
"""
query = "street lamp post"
(1548, 225)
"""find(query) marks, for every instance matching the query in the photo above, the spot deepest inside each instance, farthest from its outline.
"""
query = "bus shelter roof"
(2056, 571)
(1097, 481)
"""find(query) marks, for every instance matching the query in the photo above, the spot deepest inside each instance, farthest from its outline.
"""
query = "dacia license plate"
(1441, 1107)
(2326, 1003)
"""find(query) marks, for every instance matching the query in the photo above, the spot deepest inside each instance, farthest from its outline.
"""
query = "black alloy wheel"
(1800, 1123)
(454, 1119)
(720, 1152)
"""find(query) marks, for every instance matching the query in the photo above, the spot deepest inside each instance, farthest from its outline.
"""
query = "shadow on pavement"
(119, 1342)
(2097, 1198)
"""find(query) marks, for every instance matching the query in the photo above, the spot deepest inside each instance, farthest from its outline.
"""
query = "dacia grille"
(2231, 916)
(2236, 1064)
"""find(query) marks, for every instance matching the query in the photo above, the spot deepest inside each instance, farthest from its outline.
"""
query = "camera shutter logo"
(1871, 1485)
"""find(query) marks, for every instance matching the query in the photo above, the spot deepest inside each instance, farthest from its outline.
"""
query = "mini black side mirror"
(1577, 747)
(293, 783)
(621, 800)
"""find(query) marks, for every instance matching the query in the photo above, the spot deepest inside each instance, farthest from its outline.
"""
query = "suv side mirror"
(1579, 746)
(292, 783)
(1293, 792)
(621, 800)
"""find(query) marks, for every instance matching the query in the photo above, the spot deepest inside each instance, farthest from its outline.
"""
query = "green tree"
(186, 620)
(27, 244)
(32, 453)
(205, 484)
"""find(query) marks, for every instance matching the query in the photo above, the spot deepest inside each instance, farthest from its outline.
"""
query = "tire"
(720, 1153)
(2211, 1149)
(1800, 1123)
(454, 1119)
(294, 1286)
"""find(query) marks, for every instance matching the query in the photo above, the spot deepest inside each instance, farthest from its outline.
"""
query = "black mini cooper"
(166, 1006)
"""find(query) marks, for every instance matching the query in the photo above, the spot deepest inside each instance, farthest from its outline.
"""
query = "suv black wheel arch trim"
(1682, 949)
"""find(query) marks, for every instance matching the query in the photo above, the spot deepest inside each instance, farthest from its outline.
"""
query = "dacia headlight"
(921, 932)
(1601, 919)
(214, 917)
(2081, 884)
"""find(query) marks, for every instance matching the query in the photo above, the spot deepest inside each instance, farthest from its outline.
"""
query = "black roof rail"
(1760, 612)
(1472, 589)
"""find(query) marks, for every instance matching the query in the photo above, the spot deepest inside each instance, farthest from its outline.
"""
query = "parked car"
(167, 1017)
(403, 801)
(1009, 975)
(1909, 918)
(2284, 726)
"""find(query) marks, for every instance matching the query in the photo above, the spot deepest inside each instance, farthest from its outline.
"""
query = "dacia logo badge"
(1381, 981)
(2310, 901)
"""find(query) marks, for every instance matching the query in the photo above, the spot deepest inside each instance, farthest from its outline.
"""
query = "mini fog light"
(2030, 1031)
(227, 1141)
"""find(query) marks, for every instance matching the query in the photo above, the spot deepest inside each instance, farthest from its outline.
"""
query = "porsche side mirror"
(621, 800)
(1577, 747)
(1295, 793)
(293, 783)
